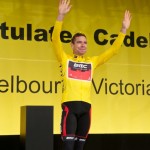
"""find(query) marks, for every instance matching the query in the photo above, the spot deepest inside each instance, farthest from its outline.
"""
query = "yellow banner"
(30, 72)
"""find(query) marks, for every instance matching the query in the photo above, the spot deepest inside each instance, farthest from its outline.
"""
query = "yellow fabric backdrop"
(29, 72)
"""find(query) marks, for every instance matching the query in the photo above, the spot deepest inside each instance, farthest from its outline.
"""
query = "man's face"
(79, 46)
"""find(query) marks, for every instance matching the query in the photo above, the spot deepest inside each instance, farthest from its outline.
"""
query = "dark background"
(94, 141)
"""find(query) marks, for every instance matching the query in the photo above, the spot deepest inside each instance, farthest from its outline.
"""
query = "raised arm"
(106, 55)
(63, 9)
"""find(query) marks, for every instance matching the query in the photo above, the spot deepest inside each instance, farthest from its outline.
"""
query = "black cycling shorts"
(76, 120)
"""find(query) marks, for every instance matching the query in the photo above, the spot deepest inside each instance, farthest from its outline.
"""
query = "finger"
(130, 16)
(69, 7)
(68, 2)
(127, 15)
(61, 2)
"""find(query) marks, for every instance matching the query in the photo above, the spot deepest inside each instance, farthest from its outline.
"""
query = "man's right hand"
(64, 8)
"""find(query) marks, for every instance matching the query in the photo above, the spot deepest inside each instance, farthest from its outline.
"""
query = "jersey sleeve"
(57, 44)
(106, 55)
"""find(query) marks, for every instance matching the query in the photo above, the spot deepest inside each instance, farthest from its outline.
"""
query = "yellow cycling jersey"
(77, 71)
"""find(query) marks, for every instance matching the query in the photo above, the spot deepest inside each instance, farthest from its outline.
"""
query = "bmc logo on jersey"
(82, 66)
(79, 71)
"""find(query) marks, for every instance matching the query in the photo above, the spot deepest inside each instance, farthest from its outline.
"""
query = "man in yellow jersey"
(77, 71)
